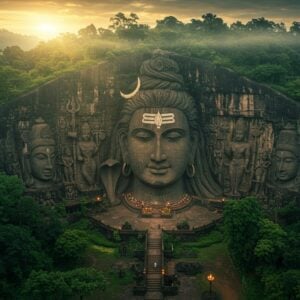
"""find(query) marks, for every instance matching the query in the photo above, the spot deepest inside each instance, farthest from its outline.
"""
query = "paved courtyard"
(196, 216)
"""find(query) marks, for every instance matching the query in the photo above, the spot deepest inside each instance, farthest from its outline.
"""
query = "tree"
(63, 285)
(120, 21)
(212, 23)
(194, 25)
(46, 285)
(84, 281)
(261, 24)
(70, 246)
(105, 33)
(281, 285)
(169, 22)
(88, 32)
(20, 253)
(271, 244)
(242, 220)
(295, 28)
(16, 57)
(128, 27)
(269, 73)
(238, 26)
(44, 224)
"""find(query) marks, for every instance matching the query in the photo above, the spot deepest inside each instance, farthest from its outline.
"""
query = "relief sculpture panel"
(153, 131)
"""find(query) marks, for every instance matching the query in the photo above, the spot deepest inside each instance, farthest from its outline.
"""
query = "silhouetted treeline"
(129, 28)
(260, 49)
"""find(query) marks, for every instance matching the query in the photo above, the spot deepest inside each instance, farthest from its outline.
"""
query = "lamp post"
(210, 279)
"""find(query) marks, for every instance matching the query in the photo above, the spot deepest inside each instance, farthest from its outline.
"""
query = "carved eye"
(143, 135)
(174, 136)
(289, 160)
(40, 156)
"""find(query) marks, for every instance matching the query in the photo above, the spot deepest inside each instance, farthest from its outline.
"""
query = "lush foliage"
(37, 248)
(241, 221)
(63, 285)
(70, 246)
(260, 49)
(265, 250)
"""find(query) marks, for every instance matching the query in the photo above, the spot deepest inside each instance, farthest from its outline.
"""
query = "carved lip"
(282, 175)
(158, 171)
(47, 173)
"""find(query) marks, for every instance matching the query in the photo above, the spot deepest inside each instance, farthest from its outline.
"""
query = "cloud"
(75, 14)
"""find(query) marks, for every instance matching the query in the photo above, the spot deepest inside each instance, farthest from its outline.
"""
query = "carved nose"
(158, 155)
(49, 163)
(280, 168)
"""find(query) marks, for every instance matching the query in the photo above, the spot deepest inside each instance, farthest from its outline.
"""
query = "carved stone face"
(42, 162)
(85, 131)
(286, 165)
(239, 135)
(158, 153)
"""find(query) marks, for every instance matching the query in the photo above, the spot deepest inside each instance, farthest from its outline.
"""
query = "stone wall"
(56, 137)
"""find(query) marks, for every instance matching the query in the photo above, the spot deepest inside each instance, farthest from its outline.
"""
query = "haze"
(47, 19)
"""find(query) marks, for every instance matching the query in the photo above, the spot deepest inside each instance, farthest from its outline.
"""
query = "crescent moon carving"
(128, 96)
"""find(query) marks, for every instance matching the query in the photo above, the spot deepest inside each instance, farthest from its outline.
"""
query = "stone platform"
(196, 216)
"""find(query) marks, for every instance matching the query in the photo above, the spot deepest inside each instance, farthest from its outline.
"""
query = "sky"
(47, 19)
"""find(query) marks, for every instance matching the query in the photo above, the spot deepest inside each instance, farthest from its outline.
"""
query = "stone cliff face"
(56, 137)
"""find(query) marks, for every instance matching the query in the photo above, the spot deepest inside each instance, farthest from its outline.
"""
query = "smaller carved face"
(239, 135)
(286, 165)
(158, 146)
(42, 162)
(85, 131)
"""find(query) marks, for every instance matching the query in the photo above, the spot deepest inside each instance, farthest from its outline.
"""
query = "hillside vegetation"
(261, 50)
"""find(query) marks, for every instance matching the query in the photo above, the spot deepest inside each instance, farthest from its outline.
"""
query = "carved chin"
(285, 176)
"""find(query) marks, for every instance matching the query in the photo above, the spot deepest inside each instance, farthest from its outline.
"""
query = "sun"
(48, 30)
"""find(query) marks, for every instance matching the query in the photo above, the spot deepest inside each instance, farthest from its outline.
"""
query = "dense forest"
(261, 49)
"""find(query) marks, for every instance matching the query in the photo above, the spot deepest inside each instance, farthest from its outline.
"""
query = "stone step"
(153, 296)
(153, 282)
(154, 244)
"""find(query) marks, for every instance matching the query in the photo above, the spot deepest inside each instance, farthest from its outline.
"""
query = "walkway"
(154, 264)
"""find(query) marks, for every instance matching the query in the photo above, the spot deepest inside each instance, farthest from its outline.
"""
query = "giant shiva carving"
(185, 132)
(162, 157)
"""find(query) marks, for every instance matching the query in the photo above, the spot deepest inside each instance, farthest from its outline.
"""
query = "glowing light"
(48, 29)
(210, 277)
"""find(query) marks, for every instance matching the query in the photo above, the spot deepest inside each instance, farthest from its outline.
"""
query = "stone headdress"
(288, 140)
(40, 135)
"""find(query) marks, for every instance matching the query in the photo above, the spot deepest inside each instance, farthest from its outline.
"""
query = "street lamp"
(210, 279)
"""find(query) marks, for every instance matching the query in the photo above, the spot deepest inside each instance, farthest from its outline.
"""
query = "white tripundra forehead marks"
(158, 119)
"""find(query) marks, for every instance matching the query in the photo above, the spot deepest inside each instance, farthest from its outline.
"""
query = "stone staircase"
(154, 265)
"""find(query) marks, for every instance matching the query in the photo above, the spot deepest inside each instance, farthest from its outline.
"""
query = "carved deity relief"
(238, 151)
(87, 150)
(40, 157)
(286, 159)
(260, 173)
(68, 163)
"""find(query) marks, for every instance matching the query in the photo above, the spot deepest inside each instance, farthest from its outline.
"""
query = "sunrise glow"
(47, 29)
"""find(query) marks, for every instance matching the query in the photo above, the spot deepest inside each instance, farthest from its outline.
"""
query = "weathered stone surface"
(249, 132)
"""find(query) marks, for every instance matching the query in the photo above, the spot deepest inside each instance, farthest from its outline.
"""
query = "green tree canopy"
(70, 245)
(63, 285)
(169, 22)
(242, 220)
(20, 253)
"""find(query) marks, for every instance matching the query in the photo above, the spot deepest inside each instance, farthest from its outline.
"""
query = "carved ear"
(124, 146)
